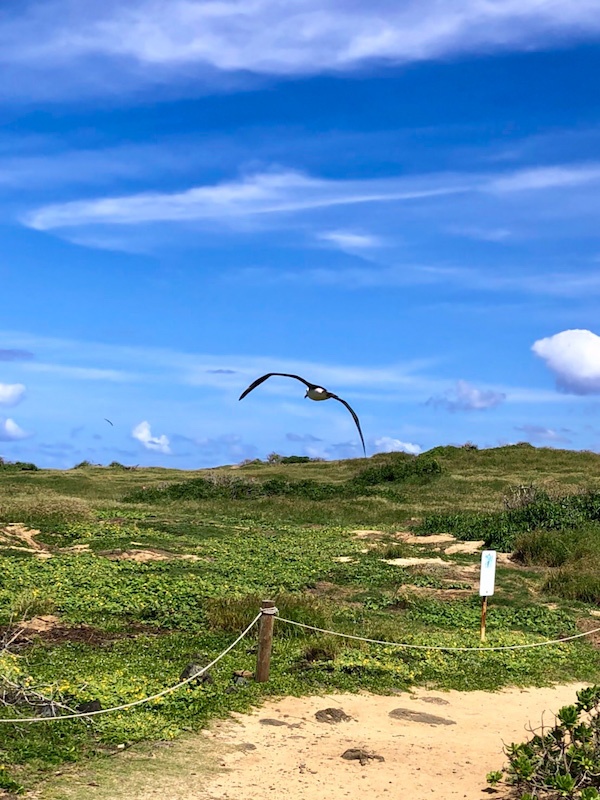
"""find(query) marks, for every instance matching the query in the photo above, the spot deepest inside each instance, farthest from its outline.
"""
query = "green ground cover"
(230, 537)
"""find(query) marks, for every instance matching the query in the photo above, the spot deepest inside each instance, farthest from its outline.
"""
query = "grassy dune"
(218, 541)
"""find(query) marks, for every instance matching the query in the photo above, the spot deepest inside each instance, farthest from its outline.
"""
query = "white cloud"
(143, 434)
(466, 397)
(350, 240)
(540, 178)
(152, 41)
(574, 357)
(275, 192)
(11, 393)
(280, 196)
(385, 444)
(10, 431)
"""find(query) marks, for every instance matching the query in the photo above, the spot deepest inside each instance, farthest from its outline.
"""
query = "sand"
(435, 744)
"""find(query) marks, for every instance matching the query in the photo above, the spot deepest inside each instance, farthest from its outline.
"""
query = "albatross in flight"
(313, 392)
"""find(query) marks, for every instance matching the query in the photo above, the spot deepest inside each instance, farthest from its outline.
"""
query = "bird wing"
(258, 381)
(354, 417)
(109, 422)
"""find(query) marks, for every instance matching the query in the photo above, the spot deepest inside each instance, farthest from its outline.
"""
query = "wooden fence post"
(484, 602)
(265, 642)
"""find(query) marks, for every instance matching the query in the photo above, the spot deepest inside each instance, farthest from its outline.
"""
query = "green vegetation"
(418, 470)
(147, 570)
(17, 466)
(561, 760)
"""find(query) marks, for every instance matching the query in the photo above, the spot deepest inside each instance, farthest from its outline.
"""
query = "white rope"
(439, 647)
(145, 699)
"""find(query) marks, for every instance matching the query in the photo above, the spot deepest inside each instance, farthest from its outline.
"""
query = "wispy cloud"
(538, 433)
(498, 207)
(574, 358)
(350, 240)
(275, 192)
(302, 437)
(480, 234)
(189, 41)
(466, 397)
(11, 393)
(221, 371)
(83, 373)
(226, 448)
(414, 380)
(540, 178)
(143, 434)
(375, 276)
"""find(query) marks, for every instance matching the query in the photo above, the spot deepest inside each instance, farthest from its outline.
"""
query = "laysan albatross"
(313, 392)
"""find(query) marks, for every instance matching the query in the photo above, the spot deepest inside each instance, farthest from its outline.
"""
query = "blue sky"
(396, 200)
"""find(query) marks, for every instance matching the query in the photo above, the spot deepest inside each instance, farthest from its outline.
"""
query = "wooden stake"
(483, 616)
(265, 643)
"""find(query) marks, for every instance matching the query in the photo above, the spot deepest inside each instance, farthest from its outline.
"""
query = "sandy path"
(302, 757)
(244, 758)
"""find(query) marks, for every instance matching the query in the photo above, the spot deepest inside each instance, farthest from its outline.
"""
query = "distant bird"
(109, 422)
(313, 392)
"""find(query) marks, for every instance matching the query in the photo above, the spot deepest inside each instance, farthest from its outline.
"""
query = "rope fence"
(156, 696)
(267, 616)
(407, 645)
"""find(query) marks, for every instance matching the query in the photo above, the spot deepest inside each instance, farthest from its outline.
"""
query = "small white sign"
(488, 573)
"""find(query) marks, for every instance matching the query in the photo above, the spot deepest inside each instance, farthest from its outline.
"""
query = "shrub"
(417, 470)
(560, 761)
(499, 529)
(18, 466)
(572, 583)
(545, 548)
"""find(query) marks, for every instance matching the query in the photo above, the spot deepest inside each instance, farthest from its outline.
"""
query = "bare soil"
(416, 745)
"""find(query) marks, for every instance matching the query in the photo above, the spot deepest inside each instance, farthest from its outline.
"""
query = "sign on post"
(487, 578)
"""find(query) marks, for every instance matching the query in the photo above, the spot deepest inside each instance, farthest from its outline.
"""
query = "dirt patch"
(590, 624)
(333, 592)
(368, 534)
(506, 561)
(145, 556)
(76, 549)
(434, 538)
(49, 629)
(464, 547)
(19, 537)
(141, 556)
(416, 562)
(40, 624)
